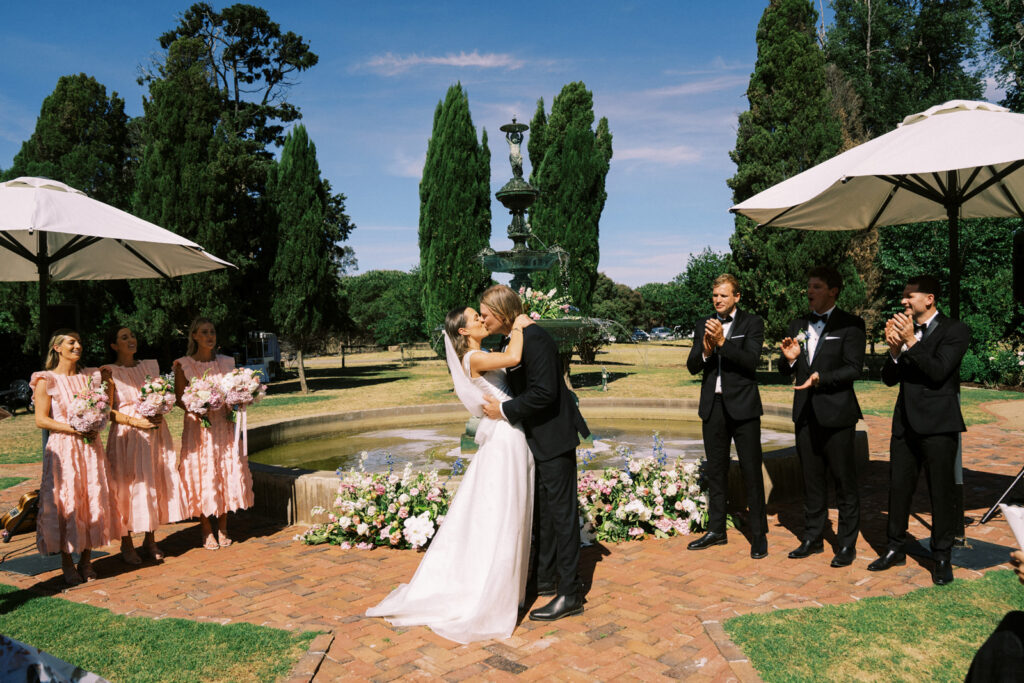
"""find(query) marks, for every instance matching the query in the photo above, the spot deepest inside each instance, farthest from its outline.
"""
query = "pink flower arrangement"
(201, 396)
(156, 396)
(89, 408)
(242, 387)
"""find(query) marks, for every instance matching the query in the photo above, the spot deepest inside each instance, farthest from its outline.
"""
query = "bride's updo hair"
(456, 319)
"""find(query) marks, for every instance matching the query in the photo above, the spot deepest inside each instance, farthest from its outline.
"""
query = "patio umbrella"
(956, 160)
(50, 231)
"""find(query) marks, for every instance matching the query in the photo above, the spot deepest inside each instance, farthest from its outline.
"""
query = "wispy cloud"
(406, 166)
(717, 65)
(391, 64)
(699, 87)
(669, 156)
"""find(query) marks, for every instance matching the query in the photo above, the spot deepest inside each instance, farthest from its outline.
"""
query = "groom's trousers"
(556, 521)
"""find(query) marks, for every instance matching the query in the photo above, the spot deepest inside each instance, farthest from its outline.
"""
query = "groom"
(545, 408)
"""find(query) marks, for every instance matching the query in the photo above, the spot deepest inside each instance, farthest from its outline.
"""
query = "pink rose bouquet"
(242, 387)
(201, 396)
(89, 409)
(157, 396)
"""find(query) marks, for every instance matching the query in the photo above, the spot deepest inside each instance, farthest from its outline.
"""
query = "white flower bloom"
(343, 522)
(403, 499)
(634, 466)
(371, 510)
(418, 530)
(671, 490)
(362, 529)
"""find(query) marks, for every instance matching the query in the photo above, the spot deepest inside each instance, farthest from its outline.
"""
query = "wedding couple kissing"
(473, 578)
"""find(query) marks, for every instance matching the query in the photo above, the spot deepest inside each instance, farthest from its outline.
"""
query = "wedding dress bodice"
(492, 382)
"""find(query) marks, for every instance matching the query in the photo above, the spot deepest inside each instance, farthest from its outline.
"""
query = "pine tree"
(571, 177)
(305, 278)
(790, 127)
(455, 214)
(81, 139)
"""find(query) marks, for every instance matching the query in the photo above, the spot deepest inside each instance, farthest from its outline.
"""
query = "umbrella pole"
(43, 266)
(953, 215)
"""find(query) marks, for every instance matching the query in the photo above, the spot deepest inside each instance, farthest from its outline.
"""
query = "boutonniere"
(801, 338)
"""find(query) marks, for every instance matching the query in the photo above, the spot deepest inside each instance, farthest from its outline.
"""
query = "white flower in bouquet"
(242, 387)
(156, 396)
(362, 529)
(403, 499)
(689, 506)
(344, 521)
(201, 396)
(634, 466)
(89, 408)
(418, 530)
(671, 490)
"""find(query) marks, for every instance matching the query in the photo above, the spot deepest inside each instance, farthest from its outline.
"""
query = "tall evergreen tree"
(790, 127)
(574, 163)
(305, 275)
(455, 210)
(1005, 50)
(81, 139)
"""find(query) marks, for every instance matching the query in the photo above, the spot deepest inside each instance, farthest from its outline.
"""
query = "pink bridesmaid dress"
(214, 469)
(77, 505)
(142, 461)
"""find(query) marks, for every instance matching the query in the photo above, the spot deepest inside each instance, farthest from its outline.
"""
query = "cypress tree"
(305, 277)
(455, 213)
(571, 177)
(789, 127)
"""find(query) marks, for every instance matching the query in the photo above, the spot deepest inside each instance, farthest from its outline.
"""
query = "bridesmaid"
(77, 507)
(143, 462)
(214, 469)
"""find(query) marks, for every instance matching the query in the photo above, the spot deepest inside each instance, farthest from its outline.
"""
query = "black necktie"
(726, 319)
(920, 328)
(815, 318)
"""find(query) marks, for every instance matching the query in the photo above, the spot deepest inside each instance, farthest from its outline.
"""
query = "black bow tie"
(920, 328)
(726, 319)
(815, 318)
(504, 341)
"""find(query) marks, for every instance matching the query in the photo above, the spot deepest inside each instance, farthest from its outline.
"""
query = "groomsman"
(726, 350)
(925, 349)
(824, 349)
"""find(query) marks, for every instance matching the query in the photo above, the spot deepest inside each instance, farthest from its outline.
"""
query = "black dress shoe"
(759, 547)
(891, 558)
(806, 549)
(845, 556)
(562, 606)
(707, 540)
(942, 572)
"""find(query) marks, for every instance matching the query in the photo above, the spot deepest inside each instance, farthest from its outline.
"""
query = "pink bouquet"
(89, 408)
(157, 396)
(201, 396)
(242, 387)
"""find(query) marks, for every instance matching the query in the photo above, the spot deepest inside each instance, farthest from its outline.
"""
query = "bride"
(472, 578)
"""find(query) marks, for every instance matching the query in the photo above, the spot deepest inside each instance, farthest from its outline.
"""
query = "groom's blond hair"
(503, 302)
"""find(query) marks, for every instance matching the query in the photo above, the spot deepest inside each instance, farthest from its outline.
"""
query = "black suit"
(925, 427)
(733, 415)
(825, 417)
(547, 411)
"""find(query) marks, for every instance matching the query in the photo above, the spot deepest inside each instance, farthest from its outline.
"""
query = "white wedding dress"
(472, 577)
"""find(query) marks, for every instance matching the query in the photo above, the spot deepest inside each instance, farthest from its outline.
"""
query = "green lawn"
(930, 634)
(8, 482)
(123, 648)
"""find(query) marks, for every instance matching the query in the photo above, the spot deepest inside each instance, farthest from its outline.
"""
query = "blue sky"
(669, 76)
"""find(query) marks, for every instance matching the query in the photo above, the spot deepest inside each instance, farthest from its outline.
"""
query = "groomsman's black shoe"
(562, 606)
(845, 556)
(707, 540)
(759, 547)
(942, 572)
(806, 549)
(547, 589)
(891, 558)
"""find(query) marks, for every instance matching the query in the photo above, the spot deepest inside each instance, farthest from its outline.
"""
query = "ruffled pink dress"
(142, 461)
(214, 469)
(77, 506)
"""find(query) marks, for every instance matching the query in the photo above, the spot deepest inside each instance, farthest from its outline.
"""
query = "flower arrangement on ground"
(539, 305)
(156, 396)
(201, 396)
(89, 408)
(646, 497)
(383, 509)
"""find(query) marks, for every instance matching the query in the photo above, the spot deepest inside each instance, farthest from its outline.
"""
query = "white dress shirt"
(918, 334)
(725, 335)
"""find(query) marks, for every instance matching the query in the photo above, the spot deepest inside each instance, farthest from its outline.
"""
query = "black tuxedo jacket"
(929, 377)
(838, 360)
(542, 403)
(739, 358)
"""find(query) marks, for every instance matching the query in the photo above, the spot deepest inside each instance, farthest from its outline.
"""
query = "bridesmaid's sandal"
(71, 576)
(154, 551)
(87, 572)
(130, 555)
(211, 542)
(223, 539)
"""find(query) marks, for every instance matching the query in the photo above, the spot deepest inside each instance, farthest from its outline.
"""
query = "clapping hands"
(714, 335)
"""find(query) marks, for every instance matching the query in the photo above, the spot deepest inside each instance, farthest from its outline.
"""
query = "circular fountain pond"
(438, 446)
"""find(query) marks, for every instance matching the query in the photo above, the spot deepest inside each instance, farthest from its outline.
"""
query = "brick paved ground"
(654, 610)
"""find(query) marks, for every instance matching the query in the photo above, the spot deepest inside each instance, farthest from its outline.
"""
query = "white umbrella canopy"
(960, 159)
(50, 231)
